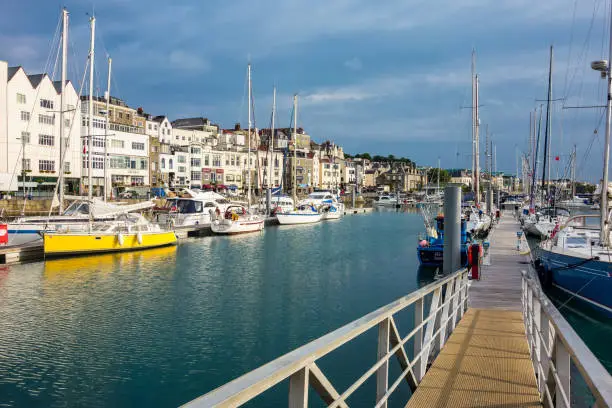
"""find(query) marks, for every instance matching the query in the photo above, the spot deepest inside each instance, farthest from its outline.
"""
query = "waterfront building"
(30, 132)
(126, 144)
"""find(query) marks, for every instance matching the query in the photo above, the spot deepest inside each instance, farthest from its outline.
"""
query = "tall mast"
(604, 187)
(62, 109)
(476, 144)
(438, 183)
(547, 127)
(294, 182)
(271, 141)
(473, 122)
(90, 111)
(574, 172)
(249, 142)
(108, 85)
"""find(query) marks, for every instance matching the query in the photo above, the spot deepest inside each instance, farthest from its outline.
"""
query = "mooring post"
(452, 229)
(268, 201)
(490, 201)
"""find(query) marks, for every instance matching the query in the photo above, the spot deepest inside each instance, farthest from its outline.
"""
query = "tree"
(585, 188)
(432, 176)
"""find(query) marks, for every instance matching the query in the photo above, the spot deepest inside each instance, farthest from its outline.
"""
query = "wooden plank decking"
(486, 362)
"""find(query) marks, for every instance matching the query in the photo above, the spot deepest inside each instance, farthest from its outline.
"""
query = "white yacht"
(304, 214)
(237, 220)
(575, 202)
(278, 204)
(76, 217)
(191, 209)
(386, 200)
(327, 203)
(543, 222)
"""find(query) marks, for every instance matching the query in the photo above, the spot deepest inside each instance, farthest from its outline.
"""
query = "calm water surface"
(162, 327)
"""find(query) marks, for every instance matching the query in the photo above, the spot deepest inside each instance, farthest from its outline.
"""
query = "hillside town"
(144, 152)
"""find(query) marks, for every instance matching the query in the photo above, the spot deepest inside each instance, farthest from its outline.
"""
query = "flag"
(557, 158)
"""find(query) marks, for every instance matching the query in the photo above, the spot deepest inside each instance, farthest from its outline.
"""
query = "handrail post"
(450, 289)
(562, 364)
(418, 337)
(544, 345)
(298, 389)
(382, 374)
(536, 333)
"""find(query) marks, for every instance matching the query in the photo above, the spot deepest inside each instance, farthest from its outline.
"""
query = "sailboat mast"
(476, 144)
(574, 173)
(438, 181)
(271, 141)
(547, 127)
(473, 122)
(249, 141)
(92, 22)
(295, 105)
(62, 108)
(108, 85)
(604, 187)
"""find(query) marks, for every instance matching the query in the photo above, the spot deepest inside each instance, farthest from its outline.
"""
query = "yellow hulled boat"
(108, 237)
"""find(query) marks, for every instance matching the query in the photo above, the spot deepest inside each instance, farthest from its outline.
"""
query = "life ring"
(120, 239)
(139, 238)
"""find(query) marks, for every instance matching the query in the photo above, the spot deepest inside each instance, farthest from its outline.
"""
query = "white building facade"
(30, 117)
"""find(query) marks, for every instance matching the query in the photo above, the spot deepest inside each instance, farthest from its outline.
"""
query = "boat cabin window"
(187, 206)
(576, 242)
(209, 204)
(77, 208)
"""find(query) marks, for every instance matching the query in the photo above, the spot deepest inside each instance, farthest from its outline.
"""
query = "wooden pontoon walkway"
(486, 362)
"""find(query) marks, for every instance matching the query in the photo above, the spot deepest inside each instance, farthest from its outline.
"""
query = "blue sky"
(383, 77)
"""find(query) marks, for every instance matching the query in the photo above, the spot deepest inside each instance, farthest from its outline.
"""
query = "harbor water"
(161, 327)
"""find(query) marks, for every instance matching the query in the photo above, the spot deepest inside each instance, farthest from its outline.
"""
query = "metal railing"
(448, 300)
(554, 346)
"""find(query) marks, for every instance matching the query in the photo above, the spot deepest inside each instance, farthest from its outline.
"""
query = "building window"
(120, 115)
(196, 176)
(25, 116)
(25, 137)
(227, 160)
(195, 150)
(46, 103)
(138, 180)
(46, 119)
(46, 165)
(149, 126)
(46, 140)
(118, 144)
(67, 123)
(154, 166)
(98, 162)
(163, 163)
(182, 159)
(154, 149)
(196, 162)
(170, 164)
(233, 160)
(143, 164)
(206, 161)
(66, 167)
(98, 142)
(138, 146)
(216, 160)
(21, 98)
(182, 169)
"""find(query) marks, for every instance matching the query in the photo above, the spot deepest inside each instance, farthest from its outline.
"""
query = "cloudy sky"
(388, 77)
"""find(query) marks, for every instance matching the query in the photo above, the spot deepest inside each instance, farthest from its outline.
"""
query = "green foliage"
(584, 188)
(432, 176)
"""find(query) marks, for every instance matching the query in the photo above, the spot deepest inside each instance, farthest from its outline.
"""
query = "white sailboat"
(304, 214)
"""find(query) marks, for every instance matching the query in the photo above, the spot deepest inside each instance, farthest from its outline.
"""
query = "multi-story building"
(125, 144)
(30, 117)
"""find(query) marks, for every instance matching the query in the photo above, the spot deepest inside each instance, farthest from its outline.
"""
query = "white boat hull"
(296, 218)
(335, 212)
(229, 227)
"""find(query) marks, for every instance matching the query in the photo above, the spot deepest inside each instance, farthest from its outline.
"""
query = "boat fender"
(139, 238)
(120, 239)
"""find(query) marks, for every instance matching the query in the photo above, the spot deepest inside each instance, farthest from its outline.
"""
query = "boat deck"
(486, 361)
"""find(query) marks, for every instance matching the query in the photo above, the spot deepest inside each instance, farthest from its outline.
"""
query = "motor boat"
(76, 217)
(130, 232)
(304, 214)
(430, 249)
(237, 220)
(327, 203)
(278, 204)
(575, 261)
(477, 222)
(386, 200)
(191, 209)
(575, 202)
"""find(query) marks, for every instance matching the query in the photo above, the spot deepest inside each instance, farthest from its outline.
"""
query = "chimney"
(237, 126)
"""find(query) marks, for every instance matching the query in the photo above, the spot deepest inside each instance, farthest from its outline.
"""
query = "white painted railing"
(554, 346)
(448, 299)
